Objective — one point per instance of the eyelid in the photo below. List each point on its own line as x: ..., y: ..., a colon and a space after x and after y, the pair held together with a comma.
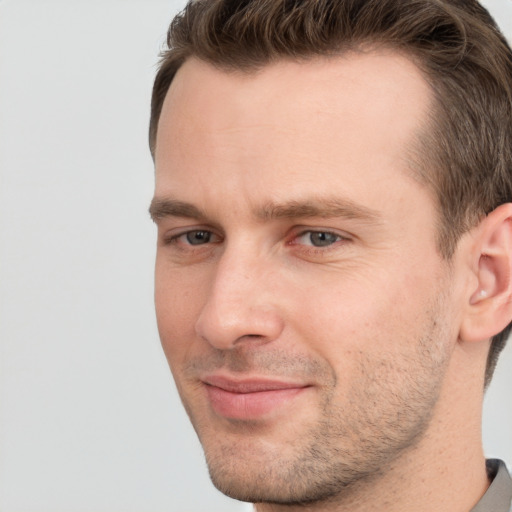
x: 303, y: 230
x: 172, y: 236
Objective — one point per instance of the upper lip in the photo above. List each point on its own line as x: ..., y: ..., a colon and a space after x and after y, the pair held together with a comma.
x: 249, y: 385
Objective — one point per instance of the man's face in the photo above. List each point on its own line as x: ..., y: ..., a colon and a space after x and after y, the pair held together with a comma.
x: 302, y: 305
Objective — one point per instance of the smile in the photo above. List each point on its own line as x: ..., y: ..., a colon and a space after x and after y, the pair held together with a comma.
x: 249, y: 399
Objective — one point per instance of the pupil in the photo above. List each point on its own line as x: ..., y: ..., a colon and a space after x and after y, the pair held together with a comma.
x: 322, y: 239
x: 198, y: 237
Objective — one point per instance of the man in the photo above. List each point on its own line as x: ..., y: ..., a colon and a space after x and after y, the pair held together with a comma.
x: 333, y: 276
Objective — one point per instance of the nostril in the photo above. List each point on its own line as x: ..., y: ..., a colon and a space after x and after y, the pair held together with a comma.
x: 250, y: 337
x: 253, y: 327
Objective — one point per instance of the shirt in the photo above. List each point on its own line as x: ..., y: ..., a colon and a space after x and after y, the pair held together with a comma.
x: 498, y: 496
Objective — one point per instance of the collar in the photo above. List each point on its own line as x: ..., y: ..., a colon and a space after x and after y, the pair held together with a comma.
x: 498, y: 496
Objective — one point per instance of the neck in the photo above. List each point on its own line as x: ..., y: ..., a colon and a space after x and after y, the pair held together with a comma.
x: 444, y: 472
x: 420, y: 490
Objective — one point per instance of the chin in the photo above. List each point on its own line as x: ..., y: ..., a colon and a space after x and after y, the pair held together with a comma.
x: 288, y: 473
x: 283, y: 482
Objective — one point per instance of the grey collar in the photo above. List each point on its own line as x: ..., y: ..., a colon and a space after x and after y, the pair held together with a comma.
x: 499, y: 494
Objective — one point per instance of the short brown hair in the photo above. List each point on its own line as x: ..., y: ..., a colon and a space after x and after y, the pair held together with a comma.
x: 466, y: 156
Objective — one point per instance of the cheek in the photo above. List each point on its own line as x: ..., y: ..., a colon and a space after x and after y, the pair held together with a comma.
x: 177, y: 306
x: 380, y: 313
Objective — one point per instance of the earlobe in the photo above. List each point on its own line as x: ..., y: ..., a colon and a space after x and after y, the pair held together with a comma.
x: 490, y: 302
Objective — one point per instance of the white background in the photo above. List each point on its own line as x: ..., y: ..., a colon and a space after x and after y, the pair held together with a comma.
x: 89, y: 418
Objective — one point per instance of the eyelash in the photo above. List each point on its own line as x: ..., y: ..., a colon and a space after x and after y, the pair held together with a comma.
x: 338, y: 238
x: 175, y: 238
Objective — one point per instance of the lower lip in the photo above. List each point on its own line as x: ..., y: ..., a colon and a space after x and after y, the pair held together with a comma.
x: 247, y: 406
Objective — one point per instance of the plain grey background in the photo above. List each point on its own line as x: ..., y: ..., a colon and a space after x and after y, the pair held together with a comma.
x: 89, y: 418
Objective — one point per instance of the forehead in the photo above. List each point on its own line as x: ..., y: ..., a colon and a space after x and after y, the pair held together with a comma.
x: 351, y: 117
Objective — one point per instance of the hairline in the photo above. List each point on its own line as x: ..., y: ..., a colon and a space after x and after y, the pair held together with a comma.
x: 416, y: 156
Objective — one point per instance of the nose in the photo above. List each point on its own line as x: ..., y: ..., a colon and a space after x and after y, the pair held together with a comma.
x: 240, y: 306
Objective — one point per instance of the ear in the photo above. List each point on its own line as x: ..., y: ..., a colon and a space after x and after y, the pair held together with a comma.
x: 489, y: 309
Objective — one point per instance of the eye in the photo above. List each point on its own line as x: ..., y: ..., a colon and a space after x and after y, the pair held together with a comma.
x: 193, y: 237
x: 197, y: 237
x: 318, y: 238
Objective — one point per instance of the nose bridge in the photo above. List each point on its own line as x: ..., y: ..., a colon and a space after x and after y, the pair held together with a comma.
x: 240, y: 305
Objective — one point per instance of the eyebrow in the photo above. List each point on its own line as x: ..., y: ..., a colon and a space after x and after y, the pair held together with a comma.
x: 320, y: 207
x: 161, y: 208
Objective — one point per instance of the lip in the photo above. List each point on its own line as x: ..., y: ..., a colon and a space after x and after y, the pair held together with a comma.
x: 250, y: 398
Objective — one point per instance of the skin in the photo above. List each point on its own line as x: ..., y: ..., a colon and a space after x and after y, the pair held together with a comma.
x: 295, y: 245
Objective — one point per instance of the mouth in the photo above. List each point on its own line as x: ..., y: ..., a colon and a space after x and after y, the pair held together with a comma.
x: 249, y: 399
